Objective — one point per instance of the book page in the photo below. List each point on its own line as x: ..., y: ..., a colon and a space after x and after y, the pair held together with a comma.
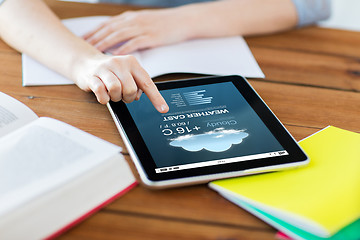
x: 42, y: 156
x: 217, y: 56
x: 13, y: 114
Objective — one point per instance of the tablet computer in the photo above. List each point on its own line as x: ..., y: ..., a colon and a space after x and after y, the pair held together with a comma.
x: 217, y: 127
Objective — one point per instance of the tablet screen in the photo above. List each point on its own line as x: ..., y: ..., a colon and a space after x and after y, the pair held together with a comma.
x: 215, y: 125
x: 206, y: 125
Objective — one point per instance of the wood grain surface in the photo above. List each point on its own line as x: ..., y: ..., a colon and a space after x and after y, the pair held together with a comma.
x: 312, y: 81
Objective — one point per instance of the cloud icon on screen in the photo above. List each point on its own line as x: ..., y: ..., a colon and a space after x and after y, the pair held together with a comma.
x: 218, y: 140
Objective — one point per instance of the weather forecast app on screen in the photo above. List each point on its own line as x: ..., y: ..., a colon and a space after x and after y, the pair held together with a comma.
x: 207, y: 125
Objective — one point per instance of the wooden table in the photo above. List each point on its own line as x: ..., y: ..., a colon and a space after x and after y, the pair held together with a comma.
x: 312, y: 81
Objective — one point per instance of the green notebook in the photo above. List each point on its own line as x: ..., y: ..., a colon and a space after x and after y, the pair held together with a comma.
x: 321, y: 200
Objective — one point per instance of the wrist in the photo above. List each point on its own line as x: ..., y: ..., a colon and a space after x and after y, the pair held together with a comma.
x: 83, y: 64
x: 193, y: 21
x: 206, y: 20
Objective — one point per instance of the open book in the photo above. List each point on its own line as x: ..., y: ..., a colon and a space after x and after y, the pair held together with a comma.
x: 52, y: 175
x: 217, y: 56
x: 317, y: 202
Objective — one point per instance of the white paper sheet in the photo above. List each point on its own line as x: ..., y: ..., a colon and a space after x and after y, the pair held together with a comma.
x: 217, y: 56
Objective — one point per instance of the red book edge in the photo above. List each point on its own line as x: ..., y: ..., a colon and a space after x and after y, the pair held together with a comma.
x: 88, y: 214
x: 282, y: 236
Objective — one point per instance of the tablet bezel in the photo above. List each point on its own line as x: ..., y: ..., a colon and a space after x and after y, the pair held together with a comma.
x: 146, y: 165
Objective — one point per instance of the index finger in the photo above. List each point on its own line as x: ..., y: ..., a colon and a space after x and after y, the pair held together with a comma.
x: 145, y: 83
x: 95, y: 30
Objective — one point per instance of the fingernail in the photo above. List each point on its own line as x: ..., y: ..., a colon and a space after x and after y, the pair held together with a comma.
x: 163, y: 108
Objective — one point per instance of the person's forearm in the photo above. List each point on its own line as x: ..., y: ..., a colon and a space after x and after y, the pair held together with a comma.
x: 30, y: 27
x: 239, y: 17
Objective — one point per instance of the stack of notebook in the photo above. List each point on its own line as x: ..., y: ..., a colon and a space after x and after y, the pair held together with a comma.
x: 320, y: 201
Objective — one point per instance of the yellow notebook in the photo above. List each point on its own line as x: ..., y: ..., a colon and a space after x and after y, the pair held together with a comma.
x: 321, y: 198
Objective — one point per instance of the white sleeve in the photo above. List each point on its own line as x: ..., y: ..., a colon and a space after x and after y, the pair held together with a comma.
x: 311, y: 11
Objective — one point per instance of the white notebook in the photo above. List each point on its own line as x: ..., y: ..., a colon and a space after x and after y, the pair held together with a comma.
x: 216, y: 56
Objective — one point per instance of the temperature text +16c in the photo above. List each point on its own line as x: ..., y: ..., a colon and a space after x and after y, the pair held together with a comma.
x: 179, y: 130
